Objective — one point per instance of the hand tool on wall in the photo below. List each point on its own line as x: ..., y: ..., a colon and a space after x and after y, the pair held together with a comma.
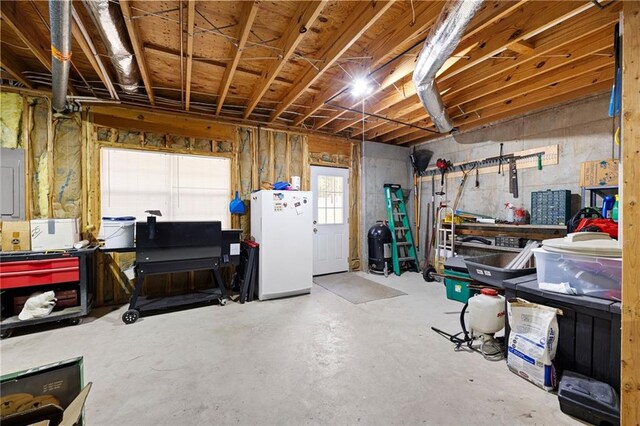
x: 420, y: 161
x: 513, y: 177
x: 442, y: 165
x: 477, y: 177
x: 465, y: 174
x: 500, y: 160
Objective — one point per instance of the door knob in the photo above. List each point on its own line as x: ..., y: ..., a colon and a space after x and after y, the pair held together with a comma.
x: 315, y: 230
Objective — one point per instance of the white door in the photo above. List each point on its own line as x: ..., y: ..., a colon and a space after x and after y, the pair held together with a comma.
x: 330, y: 187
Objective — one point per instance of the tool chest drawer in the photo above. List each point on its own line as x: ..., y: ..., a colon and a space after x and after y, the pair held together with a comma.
x: 29, y: 273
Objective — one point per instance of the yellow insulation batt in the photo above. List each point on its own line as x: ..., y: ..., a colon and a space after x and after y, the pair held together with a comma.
x: 11, y: 120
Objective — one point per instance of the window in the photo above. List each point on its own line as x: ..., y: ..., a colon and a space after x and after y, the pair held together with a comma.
x: 330, y: 200
x: 182, y: 187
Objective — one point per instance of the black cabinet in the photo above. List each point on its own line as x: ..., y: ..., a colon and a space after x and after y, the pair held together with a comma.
x: 589, y: 330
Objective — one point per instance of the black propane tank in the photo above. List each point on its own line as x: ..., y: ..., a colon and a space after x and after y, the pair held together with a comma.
x: 380, y: 238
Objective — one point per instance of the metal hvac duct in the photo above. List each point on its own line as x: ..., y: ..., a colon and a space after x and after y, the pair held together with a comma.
x: 438, y: 47
x: 108, y: 18
x: 60, y: 18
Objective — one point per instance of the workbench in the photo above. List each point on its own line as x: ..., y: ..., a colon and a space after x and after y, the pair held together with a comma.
x: 22, y: 273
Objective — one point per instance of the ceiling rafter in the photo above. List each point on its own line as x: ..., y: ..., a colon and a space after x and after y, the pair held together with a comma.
x: 425, y: 15
x: 598, y: 43
x: 586, y: 66
x: 506, y: 114
x: 489, y: 14
x: 132, y: 29
x: 38, y: 47
x: 86, y: 48
x: 10, y: 64
x: 363, y: 16
x: 528, y: 20
x: 304, y: 17
x: 520, y: 98
x: 191, y: 19
x: 175, y: 54
x: 565, y: 34
x: 247, y: 16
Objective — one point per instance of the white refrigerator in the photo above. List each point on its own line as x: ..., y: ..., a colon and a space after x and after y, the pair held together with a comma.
x: 282, y: 223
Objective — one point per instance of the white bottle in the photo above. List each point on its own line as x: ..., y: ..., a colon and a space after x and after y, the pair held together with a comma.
x: 486, y: 312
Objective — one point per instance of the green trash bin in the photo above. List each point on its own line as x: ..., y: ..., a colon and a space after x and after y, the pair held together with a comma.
x: 457, y: 280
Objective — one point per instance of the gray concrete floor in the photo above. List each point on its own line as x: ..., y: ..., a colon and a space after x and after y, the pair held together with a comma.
x: 314, y: 359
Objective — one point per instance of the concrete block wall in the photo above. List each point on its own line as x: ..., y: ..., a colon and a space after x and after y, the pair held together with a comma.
x: 381, y: 163
x: 582, y: 129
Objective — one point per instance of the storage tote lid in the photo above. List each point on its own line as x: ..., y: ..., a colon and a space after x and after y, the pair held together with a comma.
x: 119, y: 218
x: 597, y: 244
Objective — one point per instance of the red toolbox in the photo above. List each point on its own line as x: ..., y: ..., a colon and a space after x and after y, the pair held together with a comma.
x: 38, y: 272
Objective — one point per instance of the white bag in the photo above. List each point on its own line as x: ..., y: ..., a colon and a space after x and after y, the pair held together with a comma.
x: 533, y: 341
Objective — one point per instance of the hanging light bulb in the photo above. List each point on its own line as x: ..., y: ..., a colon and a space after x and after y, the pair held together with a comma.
x: 360, y: 87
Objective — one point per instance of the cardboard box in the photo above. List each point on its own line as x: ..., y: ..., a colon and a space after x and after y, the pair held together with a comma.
x: 52, y: 392
x: 16, y: 235
x: 599, y: 173
x: 54, y: 234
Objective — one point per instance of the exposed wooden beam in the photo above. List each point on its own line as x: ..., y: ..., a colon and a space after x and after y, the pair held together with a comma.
x: 630, y: 374
x: 425, y: 15
x: 489, y: 13
x: 537, y: 106
x: 10, y: 64
x: 304, y: 17
x: 88, y: 51
x: 175, y: 55
x: 592, y: 47
x: 521, y: 46
x: 528, y: 20
x: 191, y: 19
x: 549, y: 95
x: 577, y: 35
x: 362, y: 17
x: 38, y: 46
x: 132, y: 29
x: 589, y: 68
x: 247, y: 16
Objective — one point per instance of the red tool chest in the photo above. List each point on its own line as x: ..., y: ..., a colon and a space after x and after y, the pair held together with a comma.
x: 29, y: 273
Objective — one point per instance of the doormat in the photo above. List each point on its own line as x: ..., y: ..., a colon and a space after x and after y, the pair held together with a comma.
x: 356, y: 289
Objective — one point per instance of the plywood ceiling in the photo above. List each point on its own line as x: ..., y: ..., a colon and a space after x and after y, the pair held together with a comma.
x: 292, y: 62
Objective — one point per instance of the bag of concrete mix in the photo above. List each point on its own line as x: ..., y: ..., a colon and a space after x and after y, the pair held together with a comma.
x: 533, y: 341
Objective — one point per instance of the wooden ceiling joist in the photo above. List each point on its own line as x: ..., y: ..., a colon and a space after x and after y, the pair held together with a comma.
x: 38, y: 46
x: 363, y: 16
x: 592, y: 22
x: 11, y: 66
x: 90, y: 54
x: 425, y: 15
x: 596, y: 48
x: 304, y: 17
x: 530, y: 19
x: 191, y: 19
x: 175, y: 55
x: 548, y: 95
x: 134, y: 37
x: 247, y: 16
x: 489, y: 14
x: 586, y: 68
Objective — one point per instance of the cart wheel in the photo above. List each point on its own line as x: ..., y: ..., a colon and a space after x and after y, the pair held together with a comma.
x: 222, y: 301
x: 428, y: 274
x: 5, y: 333
x: 75, y: 321
x: 130, y: 316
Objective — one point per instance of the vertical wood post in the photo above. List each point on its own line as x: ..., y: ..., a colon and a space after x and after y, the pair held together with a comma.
x: 630, y: 368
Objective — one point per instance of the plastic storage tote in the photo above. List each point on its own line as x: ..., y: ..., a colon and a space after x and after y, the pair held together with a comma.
x: 589, y: 275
